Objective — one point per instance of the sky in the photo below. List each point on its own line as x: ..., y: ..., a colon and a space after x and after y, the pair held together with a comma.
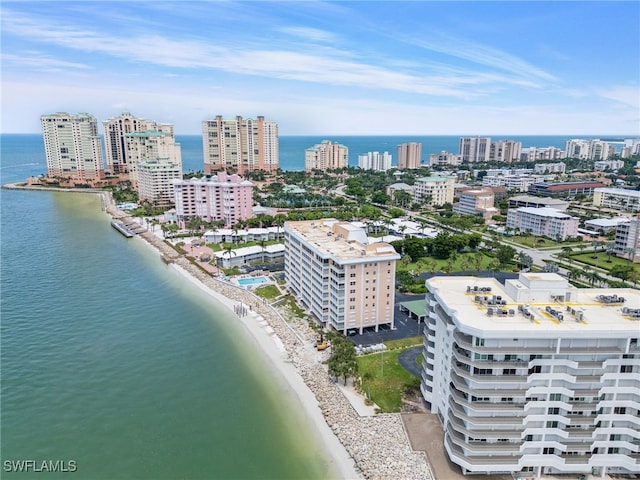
x: 328, y: 68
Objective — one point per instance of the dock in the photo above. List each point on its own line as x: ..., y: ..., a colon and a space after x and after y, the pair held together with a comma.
x: 122, y: 229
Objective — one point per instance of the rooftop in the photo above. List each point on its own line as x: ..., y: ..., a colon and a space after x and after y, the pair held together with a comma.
x: 535, y: 292
x: 340, y: 240
x: 544, y: 212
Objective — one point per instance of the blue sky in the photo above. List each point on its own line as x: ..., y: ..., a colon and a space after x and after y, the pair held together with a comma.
x: 334, y: 68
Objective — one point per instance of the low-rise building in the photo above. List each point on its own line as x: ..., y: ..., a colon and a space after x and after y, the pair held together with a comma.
x: 343, y: 281
x: 434, y: 190
x: 250, y: 255
x: 558, y: 167
x: 477, y: 201
x: 605, y: 225
x: 543, y: 222
x: 608, y: 165
x: 531, y: 201
x: 617, y: 199
x: 535, y: 376
x: 566, y: 189
x: 444, y: 158
x: 229, y: 235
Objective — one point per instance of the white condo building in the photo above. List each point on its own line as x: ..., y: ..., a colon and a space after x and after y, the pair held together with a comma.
x: 627, y: 240
x: 342, y: 280
x: 326, y: 156
x: 380, y: 162
x: 593, y: 149
x: 151, y: 146
x: 72, y: 147
x: 240, y: 145
x: 543, y: 222
x: 155, y: 181
x: 617, y: 199
x: 535, y: 376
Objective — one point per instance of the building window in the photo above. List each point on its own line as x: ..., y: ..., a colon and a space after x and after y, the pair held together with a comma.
x: 555, y: 396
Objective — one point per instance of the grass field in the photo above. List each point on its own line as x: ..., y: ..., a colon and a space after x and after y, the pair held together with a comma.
x: 384, y: 380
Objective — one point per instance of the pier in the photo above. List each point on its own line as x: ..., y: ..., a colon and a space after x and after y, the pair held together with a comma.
x: 122, y: 229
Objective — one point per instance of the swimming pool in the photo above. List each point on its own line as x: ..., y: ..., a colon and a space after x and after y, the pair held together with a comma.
x: 245, y: 282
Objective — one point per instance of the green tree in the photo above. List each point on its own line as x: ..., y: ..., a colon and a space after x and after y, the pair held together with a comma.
x: 505, y: 254
x: 342, y: 362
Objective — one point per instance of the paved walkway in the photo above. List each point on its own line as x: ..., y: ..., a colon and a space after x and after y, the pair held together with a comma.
x: 408, y: 360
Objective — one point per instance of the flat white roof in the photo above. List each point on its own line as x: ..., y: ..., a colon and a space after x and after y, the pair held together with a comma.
x: 600, y: 319
x: 544, y: 212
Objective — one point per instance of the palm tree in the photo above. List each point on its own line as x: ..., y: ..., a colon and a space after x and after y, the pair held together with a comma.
x: 477, y: 259
x: 229, y: 251
x: 262, y: 243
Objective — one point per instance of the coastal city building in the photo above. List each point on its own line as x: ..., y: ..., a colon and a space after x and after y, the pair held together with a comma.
x: 240, y: 145
x: 608, y: 164
x: 152, y: 146
x: 380, y: 162
x: 444, y: 158
x: 434, y: 190
x: 631, y: 147
x: 593, y: 149
x: 532, y: 154
x: 478, y: 202
x: 543, y: 222
x: 213, y: 197
x: 506, y: 151
x: 409, y: 156
x: 558, y: 167
x: 513, y: 183
x: 155, y: 181
x: 535, y: 376
x: 117, y: 145
x: 617, y: 199
x: 343, y: 281
x: 565, y: 189
x: 73, y: 148
x: 394, y: 188
x: 537, y: 202
x: 326, y: 156
x: 627, y: 241
x: 242, y: 235
x: 474, y: 149
x: 605, y: 225
x: 250, y: 255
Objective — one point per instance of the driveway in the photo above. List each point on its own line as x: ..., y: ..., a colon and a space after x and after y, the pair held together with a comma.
x: 408, y: 360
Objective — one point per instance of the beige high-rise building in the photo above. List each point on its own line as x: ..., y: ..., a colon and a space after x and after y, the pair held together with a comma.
x: 342, y: 280
x: 240, y: 145
x: 326, y: 156
x: 150, y: 146
x: 72, y: 147
x: 409, y: 156
x: 505, y: 151
x: 115, y: 131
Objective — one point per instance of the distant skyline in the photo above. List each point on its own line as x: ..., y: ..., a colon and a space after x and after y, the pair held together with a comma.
x: 329, y: 68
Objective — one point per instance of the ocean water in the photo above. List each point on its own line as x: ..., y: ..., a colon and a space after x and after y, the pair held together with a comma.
x: 111, y: 360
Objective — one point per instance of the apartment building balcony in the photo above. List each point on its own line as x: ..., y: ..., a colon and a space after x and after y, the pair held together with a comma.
x: 489, y: 390
x: 488, y: 463
x: 464, y: 342
x: 502, y: 379
x: 499, y: 407
x: 459, y: 426
x: 482, y: 448
x: 512, y: 423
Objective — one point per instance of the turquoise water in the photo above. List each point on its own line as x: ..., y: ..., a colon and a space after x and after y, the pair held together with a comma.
x: 111, y: 359
x: 251, y: 281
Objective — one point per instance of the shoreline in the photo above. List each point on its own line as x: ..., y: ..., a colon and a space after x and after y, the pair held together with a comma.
x: 356, y: 447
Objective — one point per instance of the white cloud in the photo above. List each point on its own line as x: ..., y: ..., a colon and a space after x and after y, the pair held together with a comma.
x: 625, y: 95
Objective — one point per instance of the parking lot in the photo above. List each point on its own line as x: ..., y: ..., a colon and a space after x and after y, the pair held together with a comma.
x: 404, y: 326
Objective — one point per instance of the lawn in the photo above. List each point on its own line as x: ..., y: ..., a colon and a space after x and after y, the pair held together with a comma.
x: 268, y: 291
x: 384, y: 380
x: 463, y: 262
x: 602, y: 261
x: 404, y: 342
